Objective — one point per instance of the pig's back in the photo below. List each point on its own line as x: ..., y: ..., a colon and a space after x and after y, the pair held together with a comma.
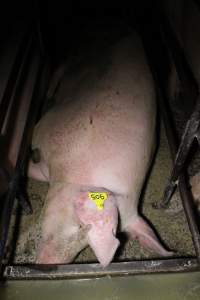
x: 101, y: 132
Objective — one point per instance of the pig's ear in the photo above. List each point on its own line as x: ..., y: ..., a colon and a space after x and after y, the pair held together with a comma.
x: 139, y: 229
x: 104, y: 244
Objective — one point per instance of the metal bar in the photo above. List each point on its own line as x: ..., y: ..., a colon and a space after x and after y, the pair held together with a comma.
x: 191, y: 88
x: 9, y: 108
x: 10, y: 197
x: 95, y: 270
x: 189, y: 211
x: 185, y: 195
x: 190, y: 133
x: 12, y: 81
x: 155, y: 51
x: 18, y: 110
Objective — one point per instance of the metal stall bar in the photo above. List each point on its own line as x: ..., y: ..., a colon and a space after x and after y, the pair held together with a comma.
x: 95, y: 270
x: 185, y: 194
x: 192, y: 128
x: 154, y: 52
x: 11, y: 83
x: 191, y: 86
x: 17, y: 56
x: 28, y: 89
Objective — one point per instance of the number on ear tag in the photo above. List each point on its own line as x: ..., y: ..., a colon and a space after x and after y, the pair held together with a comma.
x: 98, y: 198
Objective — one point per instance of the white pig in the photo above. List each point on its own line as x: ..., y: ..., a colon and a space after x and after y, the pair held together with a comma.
x: 99, y: 137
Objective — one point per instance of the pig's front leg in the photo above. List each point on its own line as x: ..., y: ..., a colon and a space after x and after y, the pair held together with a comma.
x: 136, y: 227
x: 63, y: 237
x: 139, y: 229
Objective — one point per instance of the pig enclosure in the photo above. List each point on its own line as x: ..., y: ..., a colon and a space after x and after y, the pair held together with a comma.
x: 170, y: 224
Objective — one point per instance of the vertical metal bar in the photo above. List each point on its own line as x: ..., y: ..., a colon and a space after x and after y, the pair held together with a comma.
x: 154, y: 52
x: 10, y: 197
x: 188, y: 79
x: 12, y: 81
x: 189, y: 211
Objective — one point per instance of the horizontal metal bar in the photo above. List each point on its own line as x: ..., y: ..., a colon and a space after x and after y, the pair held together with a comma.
x: 95, y: 270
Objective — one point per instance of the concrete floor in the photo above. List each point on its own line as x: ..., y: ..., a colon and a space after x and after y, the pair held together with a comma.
x: 170, y: 224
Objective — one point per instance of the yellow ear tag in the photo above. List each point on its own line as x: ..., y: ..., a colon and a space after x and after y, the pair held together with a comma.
x: 98, y: 198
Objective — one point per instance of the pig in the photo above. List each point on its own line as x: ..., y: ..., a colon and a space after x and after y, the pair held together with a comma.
x: 96, y: 145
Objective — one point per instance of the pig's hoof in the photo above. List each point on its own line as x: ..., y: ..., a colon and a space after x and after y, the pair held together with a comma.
x: 173, y: 207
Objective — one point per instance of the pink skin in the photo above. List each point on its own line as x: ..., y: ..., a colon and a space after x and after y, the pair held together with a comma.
x: 102, y: 140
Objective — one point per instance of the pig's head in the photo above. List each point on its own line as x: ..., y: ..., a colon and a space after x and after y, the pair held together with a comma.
x: 72, y: 220
x: 99, y: 210
x: 63, y: 236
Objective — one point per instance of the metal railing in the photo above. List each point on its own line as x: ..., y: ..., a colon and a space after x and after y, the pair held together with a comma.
x: 18, y: 112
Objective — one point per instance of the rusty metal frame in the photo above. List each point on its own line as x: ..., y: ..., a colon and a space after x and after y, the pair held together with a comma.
x: 186, y: 264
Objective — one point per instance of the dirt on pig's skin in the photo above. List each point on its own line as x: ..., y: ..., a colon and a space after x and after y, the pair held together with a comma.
x: 171, y: 224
